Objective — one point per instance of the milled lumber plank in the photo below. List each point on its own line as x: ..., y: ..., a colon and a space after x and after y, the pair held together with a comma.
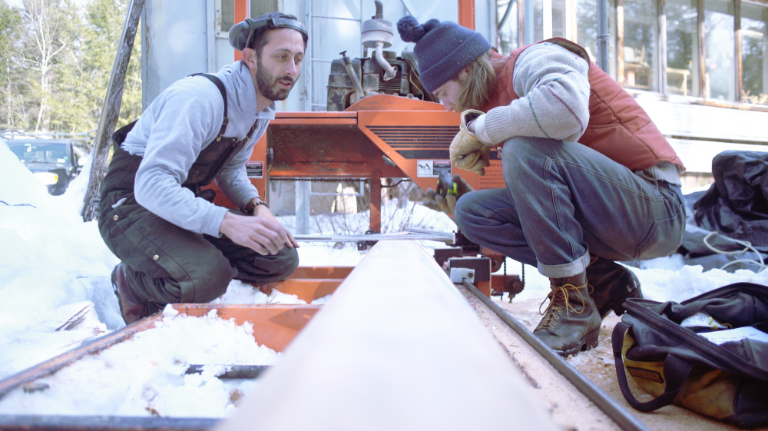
x: 396, y: 347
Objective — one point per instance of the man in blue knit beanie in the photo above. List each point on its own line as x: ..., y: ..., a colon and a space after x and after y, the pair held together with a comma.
x: 589, y: 178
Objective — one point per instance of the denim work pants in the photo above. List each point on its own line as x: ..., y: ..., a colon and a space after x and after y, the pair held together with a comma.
x: 564, y: 201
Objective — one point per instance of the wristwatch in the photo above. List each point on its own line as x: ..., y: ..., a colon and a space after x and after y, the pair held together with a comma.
x: 252, y: 204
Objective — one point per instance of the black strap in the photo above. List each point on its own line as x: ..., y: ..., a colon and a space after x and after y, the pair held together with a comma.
x: 676, y: 371
x: 220, y: 85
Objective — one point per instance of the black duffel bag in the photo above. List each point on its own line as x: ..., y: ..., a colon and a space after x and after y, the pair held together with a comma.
x: 674, y: 364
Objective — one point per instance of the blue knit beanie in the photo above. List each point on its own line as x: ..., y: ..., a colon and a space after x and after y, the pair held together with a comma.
x: 442, y: 49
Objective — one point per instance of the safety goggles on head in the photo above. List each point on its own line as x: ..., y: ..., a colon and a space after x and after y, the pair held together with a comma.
x: 240, y: 34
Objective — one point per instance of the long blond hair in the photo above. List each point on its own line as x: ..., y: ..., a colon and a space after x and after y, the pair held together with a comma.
x: 480, y: 85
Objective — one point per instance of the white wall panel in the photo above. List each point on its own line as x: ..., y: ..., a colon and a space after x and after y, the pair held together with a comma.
x: 174, y: 44
x: 697, y: 155
x: 710, y: 122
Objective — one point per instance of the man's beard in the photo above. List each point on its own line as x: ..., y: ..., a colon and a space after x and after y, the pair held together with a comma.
x: 268, y: 86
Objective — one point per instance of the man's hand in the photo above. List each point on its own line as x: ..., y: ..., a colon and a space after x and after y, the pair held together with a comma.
x: 449, y: 190
x: 261, y: 233
x: 467, y: 151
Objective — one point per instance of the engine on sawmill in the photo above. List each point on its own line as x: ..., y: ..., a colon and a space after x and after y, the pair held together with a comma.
x: 382, y: 73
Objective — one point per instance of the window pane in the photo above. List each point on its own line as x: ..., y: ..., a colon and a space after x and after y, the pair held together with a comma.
x: 720, y: 72
x: 640, y: 32
x: 754, y: 53
x: 558, y: 18
x: 339, y: 9
x: 331, y: 36
x: 508, y: 32
x: 586, y: 31
x: 227, y: 15
x: 538, y: 20
x: 682, y: 47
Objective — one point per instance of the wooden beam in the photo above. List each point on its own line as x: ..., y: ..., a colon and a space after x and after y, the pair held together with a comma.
x: 737, y: 48
x: 662, y: 47
x: 520, y: 23
x: 110, y: 110
x: 619, y: 42
x: 703, y: 93
x: 396, y: 348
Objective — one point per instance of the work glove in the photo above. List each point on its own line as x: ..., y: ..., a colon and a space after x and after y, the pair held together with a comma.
x: 467, y: 151
x: 449, y: 190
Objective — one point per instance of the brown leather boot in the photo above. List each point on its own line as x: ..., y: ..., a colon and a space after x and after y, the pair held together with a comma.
x: 571, y: 322
x: 132, y: 308
x: 611, y: 284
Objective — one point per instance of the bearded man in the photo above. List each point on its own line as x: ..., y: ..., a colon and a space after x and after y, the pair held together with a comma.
x: 174, y: 244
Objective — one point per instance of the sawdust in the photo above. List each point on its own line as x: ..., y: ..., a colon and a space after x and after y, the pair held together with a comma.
x: 570, y: 409
x: 598, y: 366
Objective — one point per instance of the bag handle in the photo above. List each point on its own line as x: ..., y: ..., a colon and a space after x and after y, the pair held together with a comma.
x: 676, y: 371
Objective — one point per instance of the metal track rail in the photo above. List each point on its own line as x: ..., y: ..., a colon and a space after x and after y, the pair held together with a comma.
x: 603, y: 401
x: 410, y: 234
x: 103, y: 423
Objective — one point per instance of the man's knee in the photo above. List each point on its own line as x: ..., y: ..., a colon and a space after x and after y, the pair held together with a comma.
x: 213, y: 278
x: 521, y: 150
x: 286, y: 262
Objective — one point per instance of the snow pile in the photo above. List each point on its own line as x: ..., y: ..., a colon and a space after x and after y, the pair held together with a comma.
x: 146, y: 375
x: 668, y: 283
x: 51, y: 266
x: 663, y: 279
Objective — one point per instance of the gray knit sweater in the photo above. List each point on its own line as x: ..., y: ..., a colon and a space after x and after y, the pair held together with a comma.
x: 172, y: 132
x: 553, y: 85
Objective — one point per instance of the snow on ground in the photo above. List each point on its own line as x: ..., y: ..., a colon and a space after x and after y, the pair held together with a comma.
x: 145, y: 376
x: 53, y: 266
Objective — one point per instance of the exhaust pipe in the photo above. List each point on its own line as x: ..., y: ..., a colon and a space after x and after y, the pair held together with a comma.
x: 378, y: 33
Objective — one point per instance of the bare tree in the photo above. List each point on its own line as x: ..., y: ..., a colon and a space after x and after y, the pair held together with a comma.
x: 48, y: 27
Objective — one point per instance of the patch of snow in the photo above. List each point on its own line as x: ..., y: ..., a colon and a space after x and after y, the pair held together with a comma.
x: 145, y: 375
x: 322, y: 300
x: 244, y: 293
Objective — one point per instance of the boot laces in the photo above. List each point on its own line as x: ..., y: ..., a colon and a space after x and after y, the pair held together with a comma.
x: 558, y: 301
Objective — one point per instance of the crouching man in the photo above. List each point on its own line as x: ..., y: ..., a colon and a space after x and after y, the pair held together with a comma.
x: 589, y: 178
x: 173, y: 243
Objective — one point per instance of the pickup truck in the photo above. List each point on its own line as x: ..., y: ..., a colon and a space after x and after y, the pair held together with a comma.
x: 53, y: 161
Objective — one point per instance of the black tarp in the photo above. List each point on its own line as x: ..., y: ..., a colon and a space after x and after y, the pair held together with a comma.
x: 735, y: 206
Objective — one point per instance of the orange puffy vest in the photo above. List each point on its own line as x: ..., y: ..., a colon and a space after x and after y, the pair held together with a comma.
x: 618, y: 126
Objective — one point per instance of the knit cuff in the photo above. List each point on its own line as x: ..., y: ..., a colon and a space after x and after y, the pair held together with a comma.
x: 496, y: 126
x: 480, y: 132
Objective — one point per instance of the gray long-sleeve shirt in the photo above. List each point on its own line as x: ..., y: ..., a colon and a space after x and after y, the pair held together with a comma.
x: 553, y: 85
x: 176, y: 127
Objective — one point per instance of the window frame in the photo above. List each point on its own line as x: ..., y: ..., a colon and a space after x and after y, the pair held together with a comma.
x: 660, y: 53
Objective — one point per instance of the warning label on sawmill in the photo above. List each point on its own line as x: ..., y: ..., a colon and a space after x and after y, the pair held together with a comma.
x: 432, y: 168
x: 255, y: 169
